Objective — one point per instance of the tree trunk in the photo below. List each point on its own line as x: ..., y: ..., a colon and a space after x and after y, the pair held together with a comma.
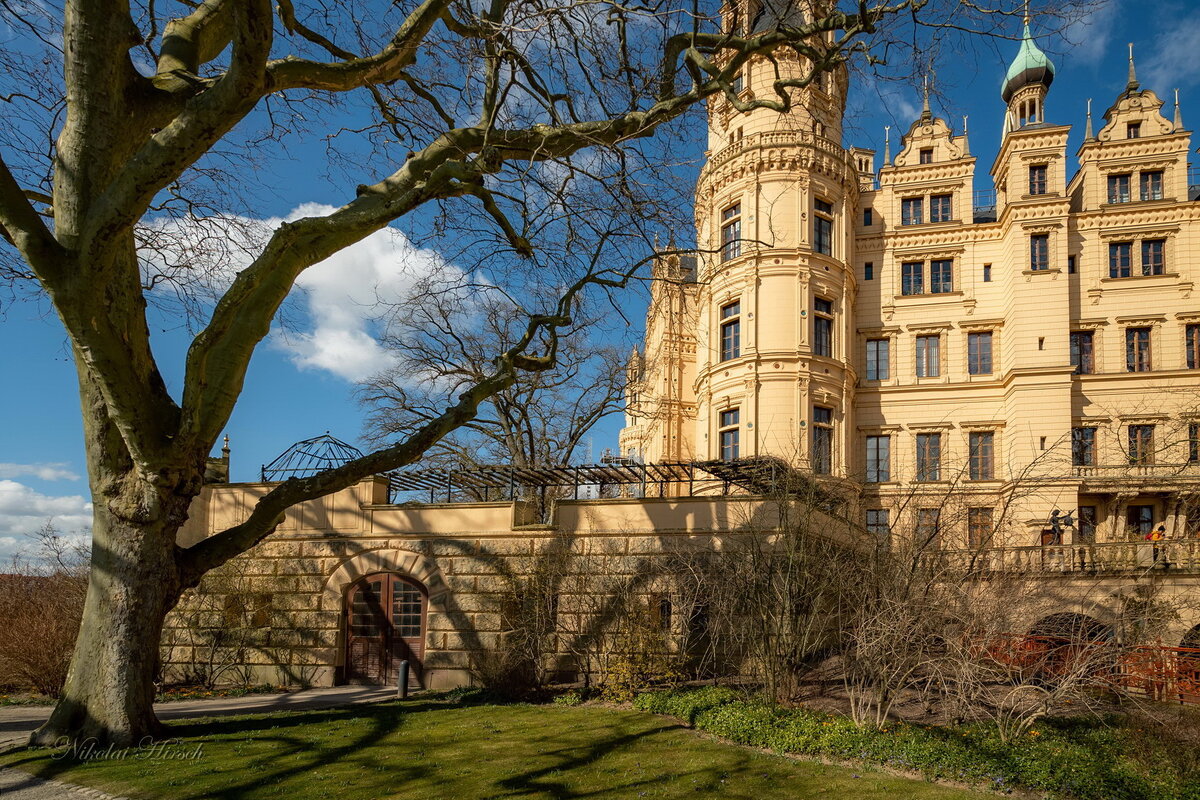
x: 109, y: 693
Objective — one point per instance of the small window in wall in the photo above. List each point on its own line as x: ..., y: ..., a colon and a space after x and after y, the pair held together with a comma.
x: 878, y: 523
x: 868, y: 218
x: 822, y: 440
x: 926, y: 155
x: 1133, y: 130
x: 1191, y: 346
x: 731, y: 330
x: 727, y: 433
x: 987, y: 273
x: 869, y: 271
x: 1070, y: 265
x: 822, y: 327
x: 739, y: 83
x: 731, y: 232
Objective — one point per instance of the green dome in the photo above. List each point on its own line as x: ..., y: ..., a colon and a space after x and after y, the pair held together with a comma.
x: 1030, y: 66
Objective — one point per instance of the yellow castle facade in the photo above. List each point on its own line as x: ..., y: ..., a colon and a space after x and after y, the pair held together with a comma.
x: 966, y: 363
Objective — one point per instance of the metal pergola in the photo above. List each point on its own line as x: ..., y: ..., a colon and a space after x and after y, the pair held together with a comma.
x: 755, y: 475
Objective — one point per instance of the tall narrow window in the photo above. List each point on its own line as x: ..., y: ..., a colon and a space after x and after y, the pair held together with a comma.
x: 929, y: 356
x: 1083, y: 447
x: 912, y: 277
x: 982, y: 455
x: 1039, y: 251
x: 1120, y: 259
x: 1141, y: 444
x: 879, y: 459
x: 1191, y: 344
x: 979, y: 353
x: 928, y: 528
x: 868, y: 218
x: 929, y: 456
x: 823, y: 327
x: 1193, y: 442
x: 979, y: 527
x: 822, y: 440
x: 1137, y: 349
x: 878, y: 359
x: 1152, y: 185
x: 1037, y: 179
x: 878, y: 524
x: 941, y: 276
x: 823, y: 227
x: 731, y: 330
x: 731, y: 232
x: 1070, y: 265
x: 739, y: 82
x: 1118, y: 188
x: 1081, y: 352
x: 869, y: 271
x: 1153, y: 258
x: 728, y: 434
x: 987, y: 273
x: 939, y: 208
x: 912, y: 211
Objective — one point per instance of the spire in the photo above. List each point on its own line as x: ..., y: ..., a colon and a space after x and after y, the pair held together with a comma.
x: 887, y: 145
x: 1178, y: 113
x: 1031, y: 66
x: 1132, y: 85
x: 966, y: 141
x: 926, y: 114
x: 1087, y: 134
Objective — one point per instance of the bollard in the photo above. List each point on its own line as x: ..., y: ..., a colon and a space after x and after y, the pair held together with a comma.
x: 402, y: 681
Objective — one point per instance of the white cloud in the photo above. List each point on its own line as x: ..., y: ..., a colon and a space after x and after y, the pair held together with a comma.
x: 344, y: 293
x: 1087, y: 39
x: 1172, y: 63
x: 23, y: 511
x: 341, y: 295
x: 58, y: 471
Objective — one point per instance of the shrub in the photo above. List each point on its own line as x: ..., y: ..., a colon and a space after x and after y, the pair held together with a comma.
x: 1068, y: 758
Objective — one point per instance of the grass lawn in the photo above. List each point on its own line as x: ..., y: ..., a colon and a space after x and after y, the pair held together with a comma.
x: 438, y: 749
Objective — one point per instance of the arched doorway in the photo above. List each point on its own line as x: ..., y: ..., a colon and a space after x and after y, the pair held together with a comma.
x: 385, y: 624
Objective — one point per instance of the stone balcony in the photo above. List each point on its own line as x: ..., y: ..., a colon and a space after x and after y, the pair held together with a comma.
x: 1171, y: 556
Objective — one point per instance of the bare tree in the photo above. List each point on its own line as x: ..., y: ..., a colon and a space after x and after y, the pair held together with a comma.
x: 120, y: 115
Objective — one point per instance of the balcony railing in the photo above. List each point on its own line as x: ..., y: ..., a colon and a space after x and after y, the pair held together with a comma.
x: 1137, y: 471
x: 984, y: 205
x: 1173, y: 555
x: 777, y: 139
x: 1193, y: 175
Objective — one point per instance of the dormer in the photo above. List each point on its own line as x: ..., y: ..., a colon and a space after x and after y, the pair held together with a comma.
x: 930, y: 180
x: 1137, y: 156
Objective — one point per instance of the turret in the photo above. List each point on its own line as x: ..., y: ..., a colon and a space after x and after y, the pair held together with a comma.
x: 1026, y: 84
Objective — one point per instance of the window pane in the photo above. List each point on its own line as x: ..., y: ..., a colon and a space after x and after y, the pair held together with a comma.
x: 979, y: 527
x: 823, y: 235
x: 929, y: 455
x: 879, y: 458
x: 1120, y: 259
x: 979, y: 353
x: 912, y: 277
x: 1083, y: 447
x: 912, y: 211
x: 878, y: 357
x: 1191, y: 340
x: 928, y: 356
x: 1152, y: 256
x: 1039, y: 251
x: 941, y: 276
x: 939, y: 208
x: 822, y: 336
x: 1037, y: 179
x: 731, y: 232
x: 1118, y: 188
x: 1152, y: 185
x: 1137, y: 349
x: 981, y: 461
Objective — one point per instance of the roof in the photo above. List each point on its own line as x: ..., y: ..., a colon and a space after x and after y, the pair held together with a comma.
x: 1030, y: 66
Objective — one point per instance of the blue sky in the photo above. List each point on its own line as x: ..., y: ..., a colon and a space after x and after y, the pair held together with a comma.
x: 301, y: 384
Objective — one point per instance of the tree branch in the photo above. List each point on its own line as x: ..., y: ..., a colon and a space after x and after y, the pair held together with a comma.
x: 21, y: 225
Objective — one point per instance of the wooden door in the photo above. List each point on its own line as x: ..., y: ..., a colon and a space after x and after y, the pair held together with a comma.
x: 385, y: 624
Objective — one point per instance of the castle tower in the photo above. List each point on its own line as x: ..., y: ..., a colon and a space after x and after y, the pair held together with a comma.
x: 1026, y: 83
x: 774, y: 216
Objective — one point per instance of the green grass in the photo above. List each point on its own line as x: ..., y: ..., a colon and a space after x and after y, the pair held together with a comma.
x: 440, y: 749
